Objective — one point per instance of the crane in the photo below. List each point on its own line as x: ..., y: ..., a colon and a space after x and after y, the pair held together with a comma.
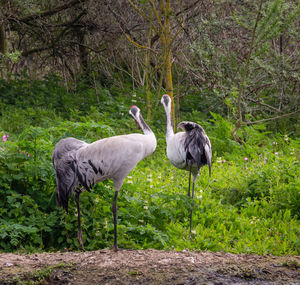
x: 188, y: 150
x: 80, y: 165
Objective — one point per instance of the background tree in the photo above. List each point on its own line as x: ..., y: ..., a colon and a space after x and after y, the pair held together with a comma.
x: 163, y: 13
x: 239, y: 59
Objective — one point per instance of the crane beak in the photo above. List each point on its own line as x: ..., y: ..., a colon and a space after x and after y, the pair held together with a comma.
x: 180, y: 126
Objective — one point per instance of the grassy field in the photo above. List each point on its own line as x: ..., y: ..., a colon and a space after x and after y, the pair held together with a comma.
x: 250, y: 204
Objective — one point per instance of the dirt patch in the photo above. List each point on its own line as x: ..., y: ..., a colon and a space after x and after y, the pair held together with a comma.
x: 147, y: 267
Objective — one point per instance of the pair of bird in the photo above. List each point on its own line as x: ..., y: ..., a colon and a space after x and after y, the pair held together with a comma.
x: 79, y: 163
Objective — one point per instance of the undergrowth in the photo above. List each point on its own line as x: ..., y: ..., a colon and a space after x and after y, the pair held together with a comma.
x: 250, y: 204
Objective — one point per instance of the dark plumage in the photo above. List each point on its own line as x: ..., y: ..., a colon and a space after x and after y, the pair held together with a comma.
x: 64, y: 162
x: 194, y: 145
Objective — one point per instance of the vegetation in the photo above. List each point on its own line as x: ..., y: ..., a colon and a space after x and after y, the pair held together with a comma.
x: 250, y: 204
x: 67, y: 72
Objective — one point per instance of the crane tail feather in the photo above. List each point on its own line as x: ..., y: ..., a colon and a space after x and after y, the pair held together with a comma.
x: 197, y: 145
x: 64, y: 162
x: 66, y: 181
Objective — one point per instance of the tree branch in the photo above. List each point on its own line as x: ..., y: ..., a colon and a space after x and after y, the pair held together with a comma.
x: 35, y: 50
x: 269, y: 119
x: 49, y: 12
x: 187, y: 8
x: 137, y: 44
x: 260, y: 102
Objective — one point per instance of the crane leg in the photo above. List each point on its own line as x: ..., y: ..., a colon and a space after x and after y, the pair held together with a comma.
x: 190, y: 174
x: 114, y: 210
x: 191, y: 214
x: 79, y: 233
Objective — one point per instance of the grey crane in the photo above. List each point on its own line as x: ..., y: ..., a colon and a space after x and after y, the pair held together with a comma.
x: 80, y: 165
x: 188, y: 150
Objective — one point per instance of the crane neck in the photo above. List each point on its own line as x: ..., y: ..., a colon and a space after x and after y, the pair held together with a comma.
x: 151, y: 139
x: 169, y: 127
x: 143, y: 125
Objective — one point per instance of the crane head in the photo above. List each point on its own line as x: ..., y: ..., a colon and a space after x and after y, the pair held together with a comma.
x: 165, y: 99
x: 135, y: 112
x: 188, y: 126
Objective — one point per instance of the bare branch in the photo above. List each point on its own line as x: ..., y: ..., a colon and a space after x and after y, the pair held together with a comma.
x: 50, y: 12
x: 187, y: 8
x: 259, y: 102
x: 269, y: 119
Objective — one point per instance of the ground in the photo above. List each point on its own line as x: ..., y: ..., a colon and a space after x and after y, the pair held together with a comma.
x: 147, y: 267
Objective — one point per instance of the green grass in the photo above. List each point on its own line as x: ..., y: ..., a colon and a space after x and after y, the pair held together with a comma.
x: 246, y: 206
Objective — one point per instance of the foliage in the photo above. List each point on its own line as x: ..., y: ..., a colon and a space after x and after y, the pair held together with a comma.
x: 239, y: 59
x: 249, y: 205
x: 252, y: 70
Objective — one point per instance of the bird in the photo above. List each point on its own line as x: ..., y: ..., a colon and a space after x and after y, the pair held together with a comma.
x: 80, y: 165
x: 188, y: 150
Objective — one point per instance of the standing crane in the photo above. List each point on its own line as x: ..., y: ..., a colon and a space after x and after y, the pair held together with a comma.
x: 188, y: 150
x: 78, y: 163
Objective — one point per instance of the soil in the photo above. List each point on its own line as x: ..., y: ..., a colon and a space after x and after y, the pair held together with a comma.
x: 147, y: 267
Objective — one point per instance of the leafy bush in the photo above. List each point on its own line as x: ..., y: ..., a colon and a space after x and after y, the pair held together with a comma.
x: 250, y: 204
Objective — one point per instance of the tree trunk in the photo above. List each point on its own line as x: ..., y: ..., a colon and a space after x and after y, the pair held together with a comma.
x: 83, y: 53
x: 147, y: 69
x: 178, y: 97
x: 3, y: 40
x: 166, y: 40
